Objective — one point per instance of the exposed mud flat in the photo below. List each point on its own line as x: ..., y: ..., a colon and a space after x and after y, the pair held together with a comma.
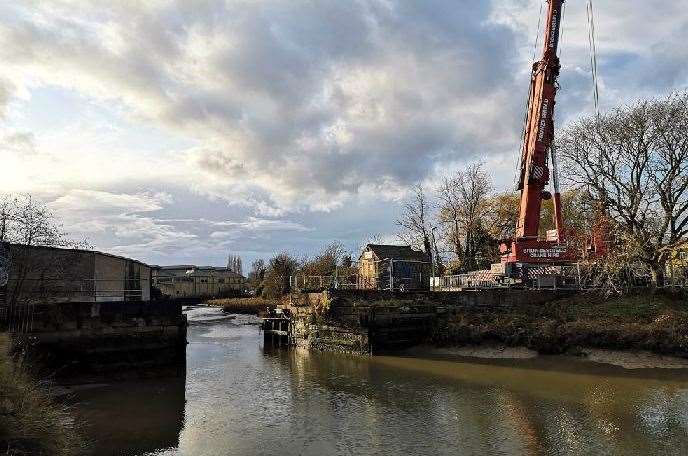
x: 624, y: 359
x: 487, y: 352
x: 635, y: 359
x: 634, y: 331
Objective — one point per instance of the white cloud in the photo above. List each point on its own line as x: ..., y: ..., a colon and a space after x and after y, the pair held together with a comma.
x: 284, y: 107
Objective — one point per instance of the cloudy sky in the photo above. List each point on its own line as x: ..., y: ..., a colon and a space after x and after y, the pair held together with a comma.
x: 178, y: 131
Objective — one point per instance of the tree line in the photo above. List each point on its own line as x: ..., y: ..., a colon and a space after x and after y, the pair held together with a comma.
x: 626, y: 175
x: 272, y: 279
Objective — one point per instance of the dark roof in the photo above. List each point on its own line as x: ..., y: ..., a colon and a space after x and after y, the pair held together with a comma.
x: 397, y: 252
x: 176, y: 266
x: 192, y: 267
x: 69, y: 249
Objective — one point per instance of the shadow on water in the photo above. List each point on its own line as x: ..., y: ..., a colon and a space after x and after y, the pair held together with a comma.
x: 132, y: 417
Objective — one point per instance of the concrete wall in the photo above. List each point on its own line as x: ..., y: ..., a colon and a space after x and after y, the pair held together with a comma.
x: 41, y: 275
x: 106, y: 335
x: 109, y: 278
x: 45, y: 274
x: 368, y: 271
x: 488, y: 298
x: 137, y: 281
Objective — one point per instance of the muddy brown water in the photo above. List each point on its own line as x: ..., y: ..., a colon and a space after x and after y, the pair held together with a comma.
x: 240, y: 397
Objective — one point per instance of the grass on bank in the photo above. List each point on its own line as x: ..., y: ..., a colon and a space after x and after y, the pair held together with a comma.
x: 649, y: 321
x: 31, y: 423
x: 252, y: 305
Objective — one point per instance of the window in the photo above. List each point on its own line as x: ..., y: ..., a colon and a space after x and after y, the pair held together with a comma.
x: 220, y: 280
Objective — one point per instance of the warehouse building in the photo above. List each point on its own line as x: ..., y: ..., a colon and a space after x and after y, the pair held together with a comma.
x: 190, y: 281
x: 37, y: 274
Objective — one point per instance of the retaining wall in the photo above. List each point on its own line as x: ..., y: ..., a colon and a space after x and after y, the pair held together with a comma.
x: 84, y: 337
x: 370, y: 321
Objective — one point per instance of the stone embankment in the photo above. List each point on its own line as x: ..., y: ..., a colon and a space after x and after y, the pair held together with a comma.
x: 652, y: 322
x: 546, y: 321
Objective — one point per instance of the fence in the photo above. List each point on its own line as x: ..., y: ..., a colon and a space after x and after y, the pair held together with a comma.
x: 462, y: 281
x: 318, y: 282
x: 302, y: 282
x: 77, y: 289
x: 18, y: 303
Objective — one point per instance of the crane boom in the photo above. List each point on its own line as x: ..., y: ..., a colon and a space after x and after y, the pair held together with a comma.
x: 539, y: 128
x: 536, y: 148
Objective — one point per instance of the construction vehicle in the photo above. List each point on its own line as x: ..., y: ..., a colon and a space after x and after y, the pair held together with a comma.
x: 527, y: 250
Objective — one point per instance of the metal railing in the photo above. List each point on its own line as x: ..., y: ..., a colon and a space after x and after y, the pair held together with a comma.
x: 75, y: 289
x: 464, y: 281
x: 560, y: 277
x: 353, y: 282
x: 319, y: 282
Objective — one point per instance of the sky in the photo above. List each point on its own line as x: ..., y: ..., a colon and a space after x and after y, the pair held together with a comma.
x: 182, y: 131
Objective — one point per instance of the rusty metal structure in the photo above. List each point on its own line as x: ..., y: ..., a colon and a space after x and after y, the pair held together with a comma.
x: 527, y: 247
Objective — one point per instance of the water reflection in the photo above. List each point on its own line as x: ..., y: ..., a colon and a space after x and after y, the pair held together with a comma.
x: 132, y: 417
x: 246, y: 398
x: 498, y: 409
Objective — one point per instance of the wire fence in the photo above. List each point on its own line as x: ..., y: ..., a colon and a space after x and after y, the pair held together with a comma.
x: 304, y: 282
x: 546, y: 277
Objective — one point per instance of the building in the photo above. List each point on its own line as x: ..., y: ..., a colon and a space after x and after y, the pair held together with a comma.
x: 59, y: 295
x: 37, y: 274
x: 190, y: 281
x: 677, y: 267
x: 394, y: 267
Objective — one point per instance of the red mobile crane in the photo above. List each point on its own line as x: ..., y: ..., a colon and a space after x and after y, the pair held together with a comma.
x: 527, y: 248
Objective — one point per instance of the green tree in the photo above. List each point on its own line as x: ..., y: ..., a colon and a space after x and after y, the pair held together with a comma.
x: 276, y: 280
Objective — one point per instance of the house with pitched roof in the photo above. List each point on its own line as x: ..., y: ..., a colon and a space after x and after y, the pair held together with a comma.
x: 394, y: 267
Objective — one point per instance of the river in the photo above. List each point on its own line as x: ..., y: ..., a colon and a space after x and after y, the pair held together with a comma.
x: 240, y: 397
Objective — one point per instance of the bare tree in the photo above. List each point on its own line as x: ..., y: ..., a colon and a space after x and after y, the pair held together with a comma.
x: 634, y: 162
x: 326, y: 262
x: 418, y: 224
x: 256, y: 275
x: 414, y: 220
x: 32, y: 278
x: 24, y: 220
x: 463, y: 205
